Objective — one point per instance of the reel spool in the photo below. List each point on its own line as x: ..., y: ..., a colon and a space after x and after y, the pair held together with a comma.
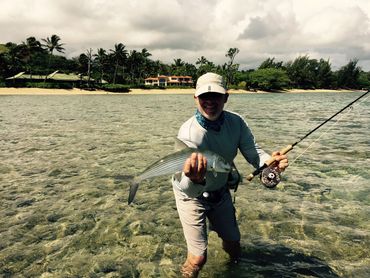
x: 270, y: 176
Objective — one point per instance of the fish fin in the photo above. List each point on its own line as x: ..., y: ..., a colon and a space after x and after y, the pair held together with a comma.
x: 181, y: 145
x: 133, y: 189
x: 214, y: 168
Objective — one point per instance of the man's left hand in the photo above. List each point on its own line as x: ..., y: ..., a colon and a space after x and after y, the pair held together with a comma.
x: 281, y: 159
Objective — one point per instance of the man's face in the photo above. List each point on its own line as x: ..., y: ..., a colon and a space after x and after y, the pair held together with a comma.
x: 211, y: 105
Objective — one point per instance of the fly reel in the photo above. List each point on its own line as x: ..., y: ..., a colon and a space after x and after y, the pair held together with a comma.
x: 270, y: 176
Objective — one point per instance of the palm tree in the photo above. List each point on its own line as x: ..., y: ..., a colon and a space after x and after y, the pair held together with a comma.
x: 177, y: 66
x: 134, y: 63
x: 231, y: 68
x: 178, y: 62
x: 145, y: 62
x: 120, y: 55
x: 201, y: 61
x: 204, y: 66
x: 145, y: 53
x: 52, y: 44
x: 16, y: 56
x: 31, y: 46
x: 100, y: 60
x: 89, y: 61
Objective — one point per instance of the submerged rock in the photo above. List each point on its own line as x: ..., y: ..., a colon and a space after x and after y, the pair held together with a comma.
x: 105, y: 265
x: 147, y: 270
x: 137, y: 227
x: 145, y: 245
x: 25, y: 203
x: 67, y: 229
x: 53, y: 217
x: 55, y: 172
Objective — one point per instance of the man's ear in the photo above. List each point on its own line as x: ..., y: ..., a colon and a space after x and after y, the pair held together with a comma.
x: 226, y: 97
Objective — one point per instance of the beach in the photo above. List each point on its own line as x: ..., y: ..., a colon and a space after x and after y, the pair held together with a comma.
x: 170, y: 91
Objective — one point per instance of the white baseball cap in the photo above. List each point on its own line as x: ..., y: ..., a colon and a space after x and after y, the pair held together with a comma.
x: 210, y: 82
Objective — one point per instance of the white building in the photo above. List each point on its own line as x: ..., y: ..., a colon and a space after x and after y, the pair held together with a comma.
x: 164, y: 81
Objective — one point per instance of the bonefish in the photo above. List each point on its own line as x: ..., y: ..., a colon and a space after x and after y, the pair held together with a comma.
x: 174, y: 162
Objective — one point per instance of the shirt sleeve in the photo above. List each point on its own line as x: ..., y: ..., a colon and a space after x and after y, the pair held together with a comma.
x: 249, y: 148
x: 185, y: 185
x: 179, y: 180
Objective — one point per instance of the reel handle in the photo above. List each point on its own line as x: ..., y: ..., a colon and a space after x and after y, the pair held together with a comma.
x: 269, y: 162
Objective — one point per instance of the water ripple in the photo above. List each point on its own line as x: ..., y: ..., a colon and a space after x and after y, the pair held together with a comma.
x: 67, y: 162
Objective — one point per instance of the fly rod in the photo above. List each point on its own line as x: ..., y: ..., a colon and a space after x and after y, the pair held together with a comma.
x: 271, y: 176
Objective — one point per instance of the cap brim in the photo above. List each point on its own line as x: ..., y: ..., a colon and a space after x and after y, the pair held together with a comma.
x: 210, y: 88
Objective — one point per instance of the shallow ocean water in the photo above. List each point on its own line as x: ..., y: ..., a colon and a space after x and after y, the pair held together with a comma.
x: 66, y: 163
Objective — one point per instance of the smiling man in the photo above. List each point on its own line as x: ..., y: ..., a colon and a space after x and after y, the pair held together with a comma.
x: 201, y: 195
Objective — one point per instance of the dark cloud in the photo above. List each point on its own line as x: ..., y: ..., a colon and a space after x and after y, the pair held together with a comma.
x: 258, y: 29
x: 269, y: 26
x: 188, y: 29
x: 176, y: 41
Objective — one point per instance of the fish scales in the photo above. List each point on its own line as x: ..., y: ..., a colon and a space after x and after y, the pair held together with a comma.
x: 167, y: 165
x: 173, y: 163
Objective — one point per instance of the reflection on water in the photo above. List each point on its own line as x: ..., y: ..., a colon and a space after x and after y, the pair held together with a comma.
x: 66, y: 163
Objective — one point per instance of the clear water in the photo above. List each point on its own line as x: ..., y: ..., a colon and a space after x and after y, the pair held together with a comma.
x: 66, y: 162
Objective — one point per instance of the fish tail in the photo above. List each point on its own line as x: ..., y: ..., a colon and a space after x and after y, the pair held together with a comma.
x: 134, y: 185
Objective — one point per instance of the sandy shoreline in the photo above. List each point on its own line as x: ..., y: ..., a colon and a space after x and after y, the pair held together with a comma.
x: 39, y: 91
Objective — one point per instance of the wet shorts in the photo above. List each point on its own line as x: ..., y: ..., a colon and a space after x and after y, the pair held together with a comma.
x: 193, y: 213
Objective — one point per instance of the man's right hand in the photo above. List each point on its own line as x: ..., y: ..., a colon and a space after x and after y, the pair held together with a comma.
x: 195, y: 168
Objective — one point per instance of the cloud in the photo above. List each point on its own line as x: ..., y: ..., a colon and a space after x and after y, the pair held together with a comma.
x: 269, y: 26
x: 338, y: 30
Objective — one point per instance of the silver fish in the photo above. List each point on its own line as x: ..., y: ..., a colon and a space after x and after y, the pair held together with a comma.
x: 174, y: 162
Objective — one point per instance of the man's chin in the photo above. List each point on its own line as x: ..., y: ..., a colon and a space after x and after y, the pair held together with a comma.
x: 212, y: 117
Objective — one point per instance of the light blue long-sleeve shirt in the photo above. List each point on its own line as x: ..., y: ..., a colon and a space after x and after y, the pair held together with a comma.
x: 234, y: 135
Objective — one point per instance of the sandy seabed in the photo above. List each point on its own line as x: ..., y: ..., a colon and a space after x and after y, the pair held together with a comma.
x: 66, y: 164
x: 75, y: 91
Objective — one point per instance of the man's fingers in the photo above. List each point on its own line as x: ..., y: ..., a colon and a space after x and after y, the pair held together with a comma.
x: 282, y: 160
x: 194, y: 161
x: 279, y: 157
x: 205, y: 163
x: 195, y: 166
x: 283, y: 164
x: 187, y: 167
x: 202, y: 164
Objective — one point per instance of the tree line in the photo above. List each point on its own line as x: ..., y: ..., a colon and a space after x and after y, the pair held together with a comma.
x: 119, y: 65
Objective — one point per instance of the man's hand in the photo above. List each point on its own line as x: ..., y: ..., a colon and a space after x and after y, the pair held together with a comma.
x: 195, y: 167
x: 282, y: 160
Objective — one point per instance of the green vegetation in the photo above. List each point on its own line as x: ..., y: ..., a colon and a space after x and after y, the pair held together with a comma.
x: 117, y: 88
x: 269, y: 79
x: 125, y: 69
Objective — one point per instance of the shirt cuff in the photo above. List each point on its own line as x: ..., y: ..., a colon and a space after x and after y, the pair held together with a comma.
x: 186, y: 186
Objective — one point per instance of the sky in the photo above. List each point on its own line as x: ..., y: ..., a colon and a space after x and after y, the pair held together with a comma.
x: 335, y: 30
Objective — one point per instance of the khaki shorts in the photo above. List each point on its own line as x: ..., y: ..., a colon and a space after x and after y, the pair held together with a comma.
x: 193, y: 213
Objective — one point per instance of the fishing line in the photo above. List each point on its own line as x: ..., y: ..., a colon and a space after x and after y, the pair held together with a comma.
x: 318, y: 138
x: 351, y: 108
x: 270, y: 172
x: 321, y: 135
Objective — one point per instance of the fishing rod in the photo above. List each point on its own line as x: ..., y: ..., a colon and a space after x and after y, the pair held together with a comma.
x: 270, y: 176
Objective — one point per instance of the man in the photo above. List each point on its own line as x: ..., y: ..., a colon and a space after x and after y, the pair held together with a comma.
x: 201, y: 195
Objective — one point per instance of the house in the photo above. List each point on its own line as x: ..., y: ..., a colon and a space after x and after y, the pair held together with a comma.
x: 164, y: 81
x: 160, y: 80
